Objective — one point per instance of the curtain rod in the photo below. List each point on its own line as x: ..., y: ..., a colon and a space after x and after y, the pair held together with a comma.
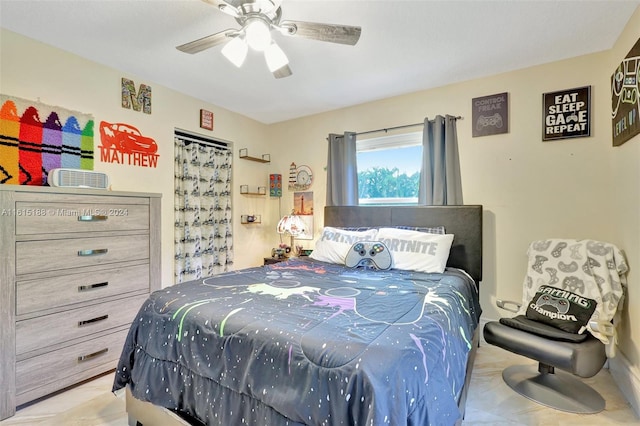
x: 190, y: 137
x: 458, y: 117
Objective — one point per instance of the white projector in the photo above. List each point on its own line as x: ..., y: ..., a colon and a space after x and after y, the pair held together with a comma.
x: 76, y: 178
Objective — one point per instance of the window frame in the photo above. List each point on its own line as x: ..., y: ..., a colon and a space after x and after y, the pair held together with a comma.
x: 388, y: 142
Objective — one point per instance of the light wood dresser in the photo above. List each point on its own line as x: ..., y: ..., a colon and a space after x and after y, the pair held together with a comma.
x: 75, y: 267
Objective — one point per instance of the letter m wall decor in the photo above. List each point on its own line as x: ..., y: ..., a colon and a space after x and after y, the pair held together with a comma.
x: 140, y: 100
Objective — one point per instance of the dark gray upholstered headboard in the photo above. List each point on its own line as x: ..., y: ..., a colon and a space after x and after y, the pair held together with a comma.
x: 465, y: 222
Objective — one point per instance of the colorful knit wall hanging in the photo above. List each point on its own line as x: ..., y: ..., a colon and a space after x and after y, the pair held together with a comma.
x: 35, y: 138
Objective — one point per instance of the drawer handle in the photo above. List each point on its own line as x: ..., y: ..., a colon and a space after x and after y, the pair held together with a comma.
x: 93, y: 252
x: 82, y: 358
x: 92, y: 320
x: 93, y: 218
x: 92, y: 286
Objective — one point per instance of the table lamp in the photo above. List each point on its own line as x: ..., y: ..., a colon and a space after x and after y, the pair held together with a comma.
x: 291, y: 224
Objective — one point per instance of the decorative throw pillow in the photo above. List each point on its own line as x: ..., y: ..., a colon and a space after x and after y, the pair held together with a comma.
x: 334, y: 243
x: 560, y: 308
x: 428, y: 230
x: 417, y: 251
x: 369, y: 255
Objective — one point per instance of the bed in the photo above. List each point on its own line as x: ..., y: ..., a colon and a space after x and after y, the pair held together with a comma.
x: 308, y: 342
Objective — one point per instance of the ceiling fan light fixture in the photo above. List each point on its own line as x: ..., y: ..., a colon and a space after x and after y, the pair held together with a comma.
x: 275, y: 57
x: 258, y: 34
x: 257, y: 19
x: 236, y: 51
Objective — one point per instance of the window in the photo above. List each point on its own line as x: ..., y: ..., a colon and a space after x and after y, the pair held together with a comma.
x: 389, y: 169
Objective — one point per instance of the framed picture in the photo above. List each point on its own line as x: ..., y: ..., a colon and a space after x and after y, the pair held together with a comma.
x: 206, y: 119
x: 303, y: 207
x: 490, y: 115
x: 566, y: 114
x: 625, y: 97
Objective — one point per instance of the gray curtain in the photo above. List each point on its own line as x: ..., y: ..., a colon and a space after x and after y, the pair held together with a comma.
x: 440, y: 182
x: 342, y: 171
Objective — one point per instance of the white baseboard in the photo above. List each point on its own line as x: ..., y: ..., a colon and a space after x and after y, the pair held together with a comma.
x: 481, y: 325
x: 627, y: 377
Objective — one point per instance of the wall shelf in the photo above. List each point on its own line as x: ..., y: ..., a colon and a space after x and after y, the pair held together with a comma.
x: 250, y: 219
x: 261, y: 190
x: 244, y: 154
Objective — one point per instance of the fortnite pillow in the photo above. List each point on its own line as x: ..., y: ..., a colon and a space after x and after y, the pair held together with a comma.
x: 417, y: 251
x: 560, y: 308
x: 334, y: 243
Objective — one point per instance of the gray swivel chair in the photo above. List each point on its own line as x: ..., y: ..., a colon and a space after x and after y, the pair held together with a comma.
x: 542, y: 383
x: 563, y: 357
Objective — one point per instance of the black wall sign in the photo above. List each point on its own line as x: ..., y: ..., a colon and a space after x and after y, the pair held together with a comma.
x: 490, y: 115
x: 625, y: 97
x: 566, y: 114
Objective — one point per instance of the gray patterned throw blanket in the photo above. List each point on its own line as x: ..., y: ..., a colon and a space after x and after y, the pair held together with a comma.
x: 565, y: 276
x: 303, y: 342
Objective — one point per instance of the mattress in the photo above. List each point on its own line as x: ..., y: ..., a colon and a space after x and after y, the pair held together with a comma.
x: 303, y: 342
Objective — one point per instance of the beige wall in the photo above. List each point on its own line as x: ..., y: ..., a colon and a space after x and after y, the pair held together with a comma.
x: 575, y: 188
x: 625, y: 170
x: 580, y: 188
x: 35, y: 71
x: 530, y: 189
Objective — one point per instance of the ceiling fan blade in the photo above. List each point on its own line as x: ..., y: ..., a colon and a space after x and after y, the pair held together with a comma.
x: 342, y: 34
x: 282, y: 72
x: 207, y: 42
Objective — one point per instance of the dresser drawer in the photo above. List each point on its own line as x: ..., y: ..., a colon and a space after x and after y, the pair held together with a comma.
x: 65, y: 366
x: 47, y: 330
x: 33, y: 218
x: 50, y: 255
x: 61, y: 290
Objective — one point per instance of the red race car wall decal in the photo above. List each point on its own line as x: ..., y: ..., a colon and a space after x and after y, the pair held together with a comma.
x: 125, y: 144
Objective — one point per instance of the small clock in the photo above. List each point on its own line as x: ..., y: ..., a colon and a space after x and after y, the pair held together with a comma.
x: 304, y: 177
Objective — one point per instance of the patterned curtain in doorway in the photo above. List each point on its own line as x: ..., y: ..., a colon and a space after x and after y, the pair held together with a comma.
x: 203, y: 229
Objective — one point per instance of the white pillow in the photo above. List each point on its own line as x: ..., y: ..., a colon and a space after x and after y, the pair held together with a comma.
x: 416, y: 251
x: 334, y: 243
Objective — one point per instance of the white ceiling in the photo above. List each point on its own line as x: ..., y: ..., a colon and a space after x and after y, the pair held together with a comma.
x: 406, y: 46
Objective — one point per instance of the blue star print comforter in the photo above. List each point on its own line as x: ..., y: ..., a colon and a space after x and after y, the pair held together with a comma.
x: 304, y: 342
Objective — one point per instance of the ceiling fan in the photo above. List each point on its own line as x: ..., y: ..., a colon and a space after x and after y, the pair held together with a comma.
x: 258, y: 18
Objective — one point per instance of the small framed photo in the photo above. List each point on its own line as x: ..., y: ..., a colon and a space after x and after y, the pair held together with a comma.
x: 303, y: 208
x: 206, y: 119
x: 566, y: 114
